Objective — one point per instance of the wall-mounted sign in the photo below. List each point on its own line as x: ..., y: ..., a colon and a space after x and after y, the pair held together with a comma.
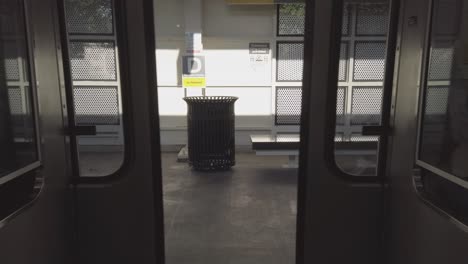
x: 194, y: 82
x: 259, y: 48
x: 193, y: 71
x: 259, y: 55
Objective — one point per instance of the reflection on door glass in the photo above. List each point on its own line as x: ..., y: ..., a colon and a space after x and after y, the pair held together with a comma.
x: 444, y: 125
x: 360, y: 84
x: 18, y: 143
x: 96, y: 85
x: 445, y: 194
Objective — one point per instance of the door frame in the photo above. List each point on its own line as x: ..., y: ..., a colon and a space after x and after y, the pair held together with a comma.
x: 132, y: 195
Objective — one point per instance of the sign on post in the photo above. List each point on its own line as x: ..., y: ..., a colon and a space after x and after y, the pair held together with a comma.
x: 193, y: 71
x: 193, y: 43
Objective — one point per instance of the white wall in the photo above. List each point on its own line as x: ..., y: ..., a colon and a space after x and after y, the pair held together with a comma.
x: 237, y: 21
x: 227, y: 32
x: 169, y: 18
x: 228, y: 63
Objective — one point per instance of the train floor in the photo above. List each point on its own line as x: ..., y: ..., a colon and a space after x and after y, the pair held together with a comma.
x: 245, y: 215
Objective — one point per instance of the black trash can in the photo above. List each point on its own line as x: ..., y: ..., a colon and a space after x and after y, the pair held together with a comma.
x: 210, y: 122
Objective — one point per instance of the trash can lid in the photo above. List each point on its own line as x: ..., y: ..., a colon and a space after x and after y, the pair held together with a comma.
x: 210, y: 99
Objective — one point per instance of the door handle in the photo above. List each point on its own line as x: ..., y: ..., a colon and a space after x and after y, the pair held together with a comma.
x: 376, y: 130
x: 81, y: 131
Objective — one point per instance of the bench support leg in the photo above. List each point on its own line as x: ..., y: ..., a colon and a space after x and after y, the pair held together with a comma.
x: 293, y: 162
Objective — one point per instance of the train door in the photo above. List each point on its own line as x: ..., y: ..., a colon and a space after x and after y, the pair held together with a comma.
x: 428, y: 196
x: 109, y: 75
x: 34, y: 198
x: 345, y: 130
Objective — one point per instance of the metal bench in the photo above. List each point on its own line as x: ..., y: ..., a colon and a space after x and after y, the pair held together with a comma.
x: 288, y: 145
x: 277, y: 145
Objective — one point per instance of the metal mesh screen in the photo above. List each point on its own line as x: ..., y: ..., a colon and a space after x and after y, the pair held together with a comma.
x: 340, y: 105
x: 338, y: 137
x: 92, y: 60
x: 436, y: 100
x: 12, y: 67
x: 285, y: 137
x: 346, y: 19
x: 369, y: 61
x: 288, y: 105
x: 366, y: 105
x: 291, y: 19
x: 361, y: 138
x: 96, y: 105
x: 290, y: 61
x: 372, y: 19
x: 343, y: 67
x: 89, y: 17
x: 15, y: 100
x: 441, y: 59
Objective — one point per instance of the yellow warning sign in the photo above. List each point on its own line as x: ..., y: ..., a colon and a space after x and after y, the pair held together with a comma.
x: 194, y: 82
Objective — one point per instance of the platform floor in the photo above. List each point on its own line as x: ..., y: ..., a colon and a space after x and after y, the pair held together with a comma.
x: 246, y: 215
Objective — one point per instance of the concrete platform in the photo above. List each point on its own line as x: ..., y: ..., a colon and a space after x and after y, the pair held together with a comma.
x: 246, y: 215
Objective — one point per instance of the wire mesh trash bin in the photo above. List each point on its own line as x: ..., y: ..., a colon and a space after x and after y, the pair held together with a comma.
x: 210, y: 122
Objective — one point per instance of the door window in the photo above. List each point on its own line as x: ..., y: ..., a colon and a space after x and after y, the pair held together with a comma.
x: 96, y: 92
x: 360, y: 88
x: 360, y: 81
x: 443, y: 141
x: 18, y: 140
x: 444, y: 112
x: 19, y: 148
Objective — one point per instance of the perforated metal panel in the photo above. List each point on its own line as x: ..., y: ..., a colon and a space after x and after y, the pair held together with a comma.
x: 369, y: 61
x: 15, y: 100
x: 340, y: 105
x: 96, y: 105
x: 89, y: 17
x: 372, y: 19
x: 338, y: 137
x: 343, y: 67
x: 366, y: 105
x: 361, y: 138
x: 436, y: 100
x: 93, y: 60
x: 441, y: 60
x: 12, y: 67
x: 346, y: 19
x: 290, y: 57
x: 288, y: 105
x: 291, y: 19
x: 285, y: 137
